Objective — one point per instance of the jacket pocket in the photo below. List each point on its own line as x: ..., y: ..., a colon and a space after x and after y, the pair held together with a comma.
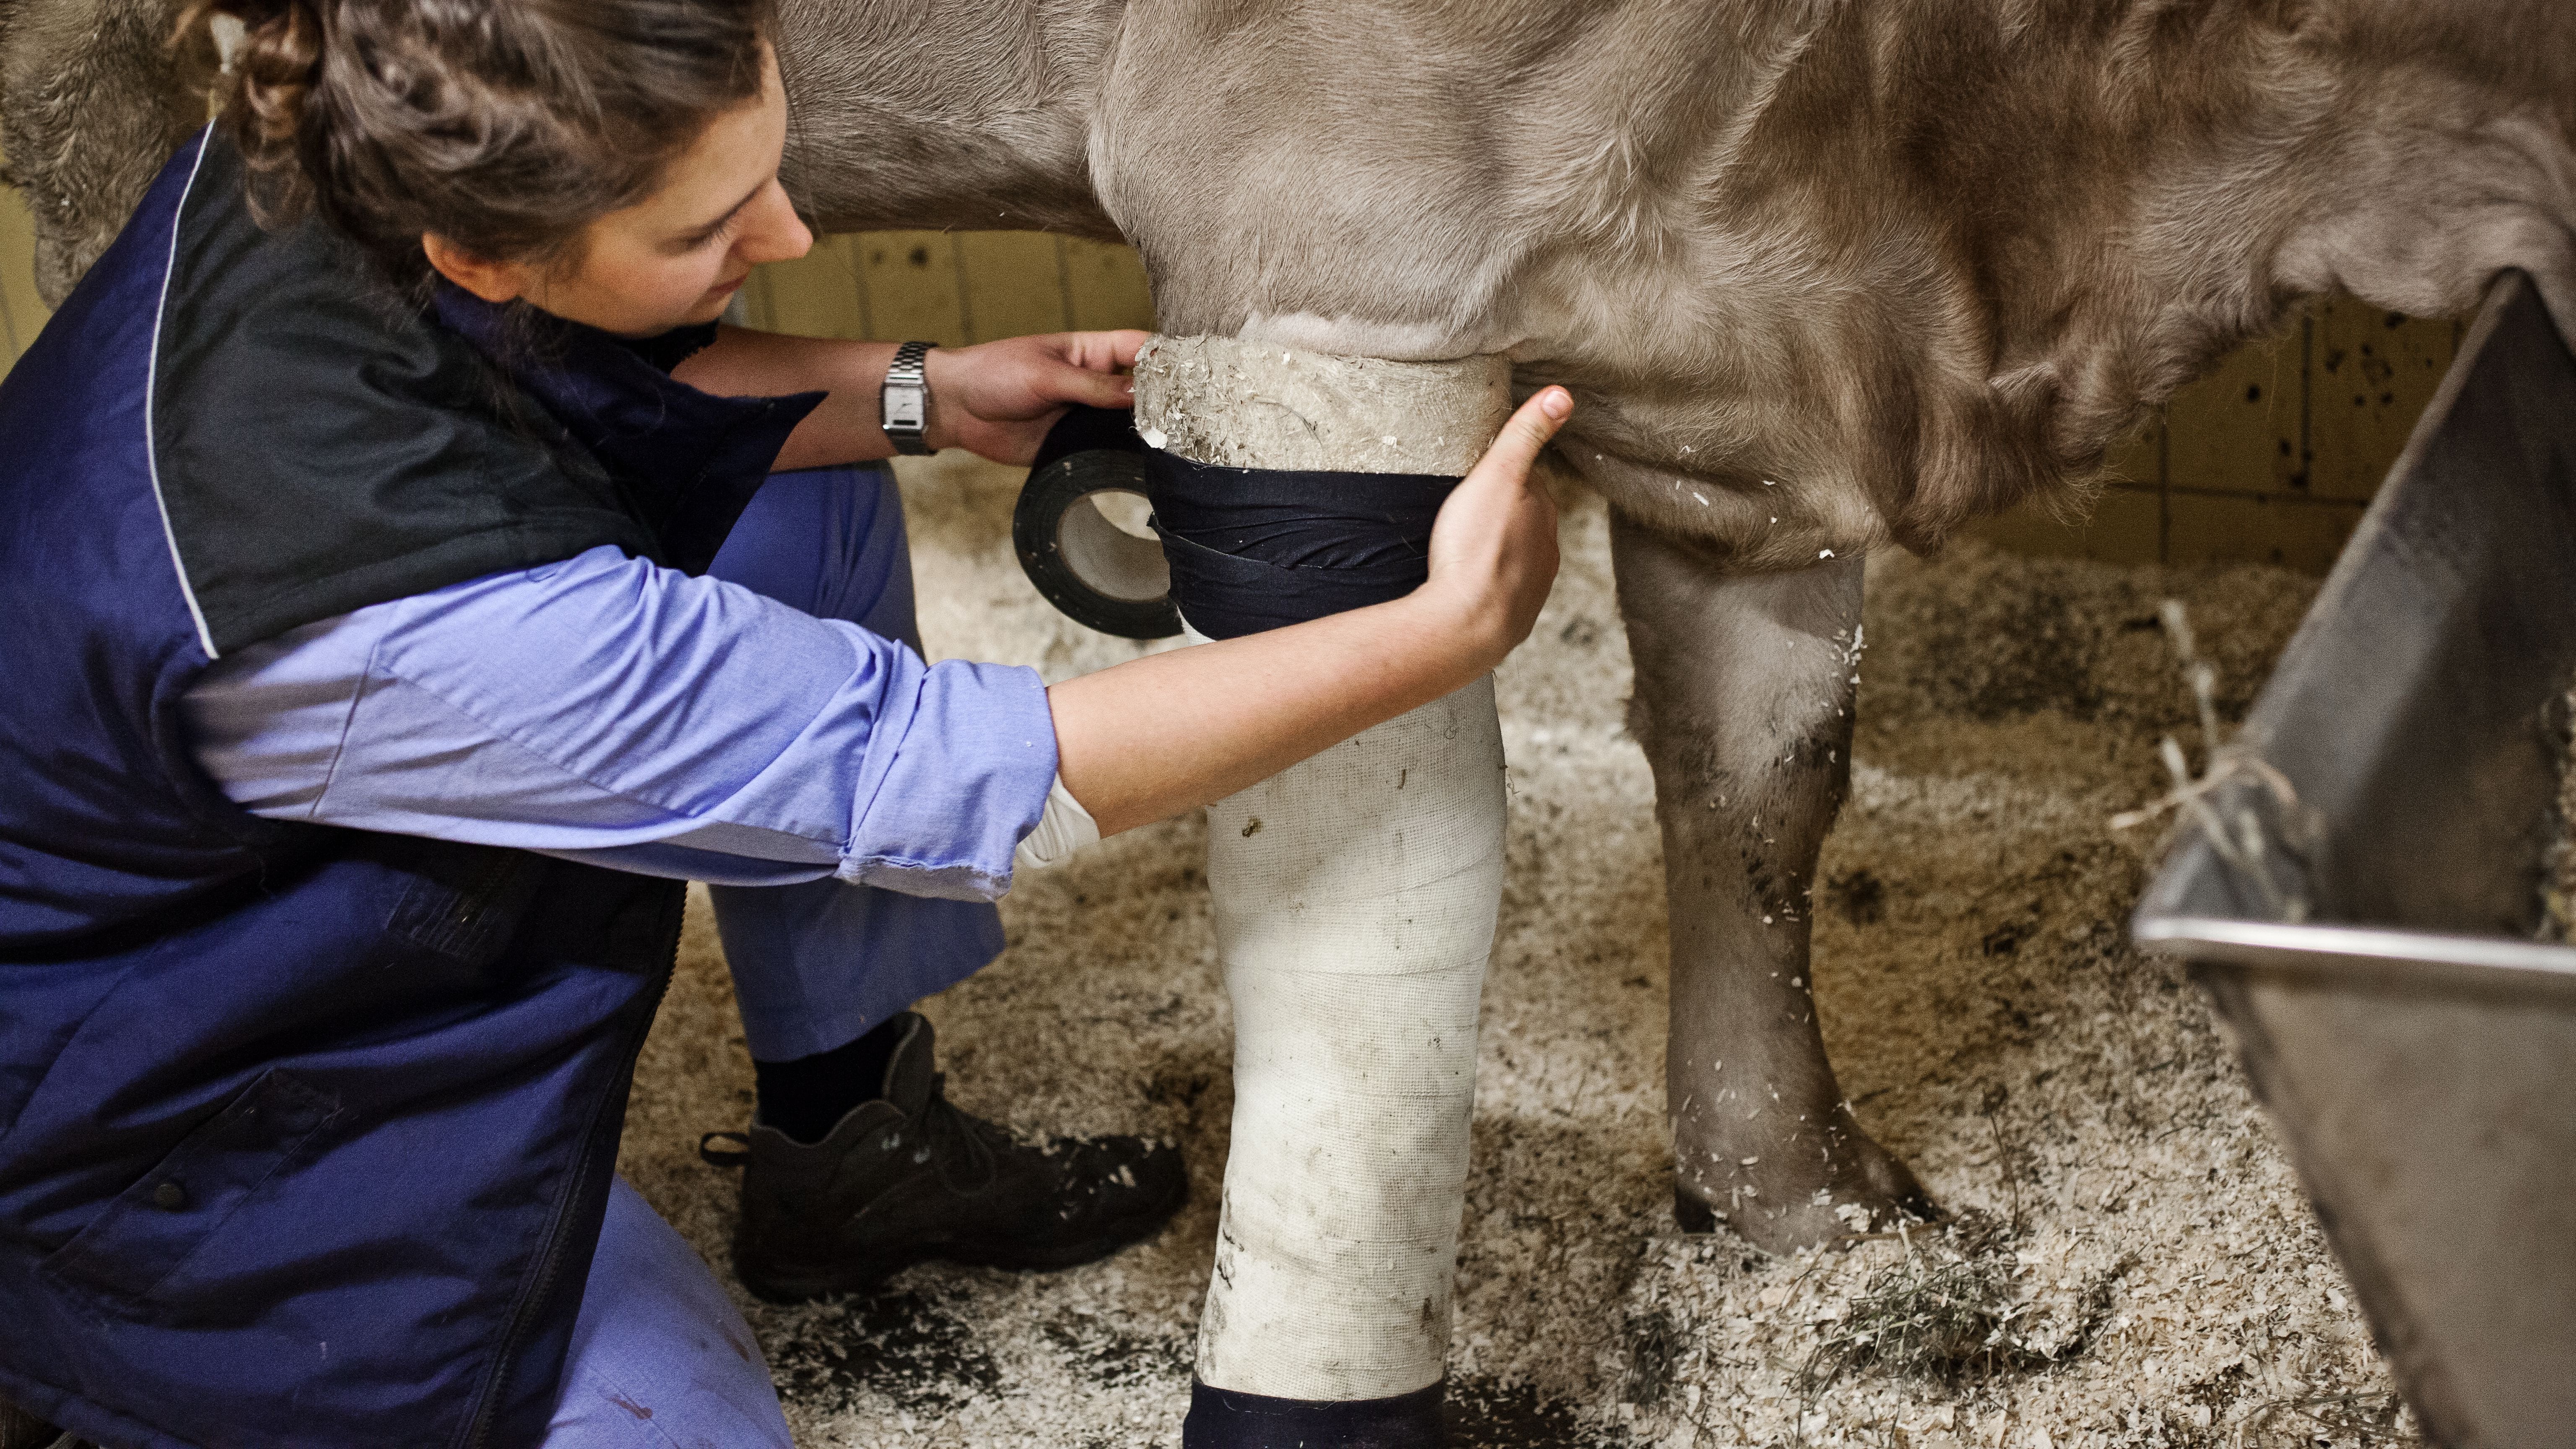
x: 463, y: 901
x: 152, y: 1227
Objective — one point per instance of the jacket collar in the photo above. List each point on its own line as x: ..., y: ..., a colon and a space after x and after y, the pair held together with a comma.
x: 689, y: 460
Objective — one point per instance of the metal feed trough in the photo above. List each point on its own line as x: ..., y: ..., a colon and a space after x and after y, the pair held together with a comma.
x: 2411, y: 1040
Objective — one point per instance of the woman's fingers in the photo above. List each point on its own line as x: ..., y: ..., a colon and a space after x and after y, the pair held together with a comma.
x: 1099, y: 389
x: 1515, y: 451
x: 1500, y: 479
x: 1112, y: 349
x: 1097, y: 351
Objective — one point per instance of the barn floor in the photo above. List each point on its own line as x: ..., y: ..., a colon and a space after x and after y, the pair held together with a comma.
x: 2133, y: 1265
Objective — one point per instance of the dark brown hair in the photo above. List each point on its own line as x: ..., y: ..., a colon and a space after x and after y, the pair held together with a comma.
x: 505, y: 126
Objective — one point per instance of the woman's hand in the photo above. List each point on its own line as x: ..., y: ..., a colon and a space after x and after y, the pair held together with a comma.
x: 1493, y: 548
x: 999, y: 398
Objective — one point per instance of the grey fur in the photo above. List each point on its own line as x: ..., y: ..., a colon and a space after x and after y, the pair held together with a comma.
x: 1826, y: 275
x: 92, y: 98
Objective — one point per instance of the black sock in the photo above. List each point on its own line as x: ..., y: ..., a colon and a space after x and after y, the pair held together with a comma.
x: 807, y: 1097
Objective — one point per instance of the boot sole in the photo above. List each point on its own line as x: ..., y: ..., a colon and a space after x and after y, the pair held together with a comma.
x: 805, y: 1287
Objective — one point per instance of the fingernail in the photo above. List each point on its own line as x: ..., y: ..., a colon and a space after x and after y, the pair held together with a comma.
x: 1557, y: 403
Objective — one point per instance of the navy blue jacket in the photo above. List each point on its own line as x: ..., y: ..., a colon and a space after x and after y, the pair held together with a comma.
x: 305, y: 1133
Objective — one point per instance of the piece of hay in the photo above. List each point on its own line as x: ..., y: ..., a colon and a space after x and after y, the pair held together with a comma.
x: 1953, y: 1311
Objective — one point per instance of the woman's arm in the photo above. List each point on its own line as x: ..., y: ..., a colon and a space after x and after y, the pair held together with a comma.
x: 997, y: 399
x: 1154, y: 737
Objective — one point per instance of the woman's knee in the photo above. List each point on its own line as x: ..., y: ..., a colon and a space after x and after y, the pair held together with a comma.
x: 829, y: 541
x: 660, y: 1357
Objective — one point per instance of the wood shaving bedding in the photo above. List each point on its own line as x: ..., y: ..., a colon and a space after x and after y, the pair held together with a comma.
x: 2132, y: 1264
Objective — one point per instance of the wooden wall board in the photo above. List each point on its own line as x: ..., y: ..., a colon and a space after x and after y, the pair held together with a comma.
x: 2302, y: 534
x: 816, y: 295
x: 22, y: 313
x: 2370, y: 375
x: 2270, y: 457
x: 1013, y: 284
x: 950, y: 288
x: 2239, y: 428
x: 914, y: 287
x: 2122, y: 524
x: 1106, y: 285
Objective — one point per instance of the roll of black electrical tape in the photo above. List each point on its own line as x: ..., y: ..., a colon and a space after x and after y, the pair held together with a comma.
x: 1094, y: 572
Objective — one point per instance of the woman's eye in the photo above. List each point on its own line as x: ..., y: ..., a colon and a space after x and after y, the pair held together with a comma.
x: 723, y: 233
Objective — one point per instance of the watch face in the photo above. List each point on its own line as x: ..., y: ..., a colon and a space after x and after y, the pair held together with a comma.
x: 903, y: 408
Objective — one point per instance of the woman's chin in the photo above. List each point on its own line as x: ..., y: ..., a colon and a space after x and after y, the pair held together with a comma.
x: 712, y: 307
x: 704, y: 312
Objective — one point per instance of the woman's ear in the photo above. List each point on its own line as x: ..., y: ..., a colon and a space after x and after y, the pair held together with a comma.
x: 492, y: 281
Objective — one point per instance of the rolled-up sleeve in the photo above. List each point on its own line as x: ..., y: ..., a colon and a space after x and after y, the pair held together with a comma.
x: 607, y: 709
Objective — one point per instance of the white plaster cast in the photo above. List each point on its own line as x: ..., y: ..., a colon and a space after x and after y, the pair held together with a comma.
x: 1253, y: 405
x: 1355, y: 899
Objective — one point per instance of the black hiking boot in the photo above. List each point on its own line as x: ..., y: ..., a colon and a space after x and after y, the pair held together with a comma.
x: 909, y: 1177
x: 22, y: 1430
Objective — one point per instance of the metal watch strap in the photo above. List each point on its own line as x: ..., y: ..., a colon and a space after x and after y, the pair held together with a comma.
x: 903, y: 404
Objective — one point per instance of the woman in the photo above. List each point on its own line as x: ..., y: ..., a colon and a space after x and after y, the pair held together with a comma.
x: 396, y: 614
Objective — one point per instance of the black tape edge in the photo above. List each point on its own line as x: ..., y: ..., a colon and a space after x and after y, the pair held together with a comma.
x: 1231, y: 1419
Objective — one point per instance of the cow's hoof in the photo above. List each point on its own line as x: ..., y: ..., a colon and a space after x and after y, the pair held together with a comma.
x: 1228, y: 1419
x: 1783, y: 1199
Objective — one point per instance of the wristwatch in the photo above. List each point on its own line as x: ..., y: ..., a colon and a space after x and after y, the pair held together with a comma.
x: 904, y: 402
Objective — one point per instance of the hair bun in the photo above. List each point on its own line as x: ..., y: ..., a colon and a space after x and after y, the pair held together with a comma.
x: 279, y: 60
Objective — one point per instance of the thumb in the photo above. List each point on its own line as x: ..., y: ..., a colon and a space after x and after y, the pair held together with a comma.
x: 1516, y: 449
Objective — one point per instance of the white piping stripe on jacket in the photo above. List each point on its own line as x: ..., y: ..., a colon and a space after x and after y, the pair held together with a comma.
x: 151, y: 399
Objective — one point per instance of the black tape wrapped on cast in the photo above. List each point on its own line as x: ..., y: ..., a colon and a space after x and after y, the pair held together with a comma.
x: 1247, y: 549
x: 1258, y: 548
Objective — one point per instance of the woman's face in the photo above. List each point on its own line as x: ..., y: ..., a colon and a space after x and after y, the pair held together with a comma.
x: 676, y: 257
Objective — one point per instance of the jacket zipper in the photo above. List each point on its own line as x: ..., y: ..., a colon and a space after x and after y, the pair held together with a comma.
x: 478, y: 1434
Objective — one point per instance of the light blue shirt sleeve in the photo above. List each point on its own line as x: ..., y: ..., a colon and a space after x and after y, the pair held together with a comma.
x: 610, y: 710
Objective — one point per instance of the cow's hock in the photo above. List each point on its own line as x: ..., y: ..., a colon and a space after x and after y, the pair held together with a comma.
x: 1355, y: 893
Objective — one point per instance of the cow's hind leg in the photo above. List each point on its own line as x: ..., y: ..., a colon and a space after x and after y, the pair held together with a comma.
x: 1744, y: 703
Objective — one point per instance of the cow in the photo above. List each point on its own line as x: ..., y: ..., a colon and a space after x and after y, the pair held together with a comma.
x: 1828, y: 276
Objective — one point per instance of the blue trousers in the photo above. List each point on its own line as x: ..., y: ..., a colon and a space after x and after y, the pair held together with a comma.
x: 816, y: 965
x: 660, y: 1359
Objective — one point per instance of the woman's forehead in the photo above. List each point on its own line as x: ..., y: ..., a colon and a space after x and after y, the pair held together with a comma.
x: 730, y: 161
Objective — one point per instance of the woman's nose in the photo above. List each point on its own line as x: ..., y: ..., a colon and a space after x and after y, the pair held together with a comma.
x: 772, y: 232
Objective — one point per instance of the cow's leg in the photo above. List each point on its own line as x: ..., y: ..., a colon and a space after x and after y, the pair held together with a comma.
x: 1744, y: 703
x: 1355, y: 900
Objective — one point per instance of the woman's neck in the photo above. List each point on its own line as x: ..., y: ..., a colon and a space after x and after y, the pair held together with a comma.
x: 967, y: 113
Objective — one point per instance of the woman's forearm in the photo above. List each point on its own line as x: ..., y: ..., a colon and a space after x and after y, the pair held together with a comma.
x: 1153, y: 737
x: 845, y: 429
x: 996, y: 398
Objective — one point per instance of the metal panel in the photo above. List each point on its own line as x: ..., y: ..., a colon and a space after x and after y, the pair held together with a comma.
x: 2416, y: 1047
